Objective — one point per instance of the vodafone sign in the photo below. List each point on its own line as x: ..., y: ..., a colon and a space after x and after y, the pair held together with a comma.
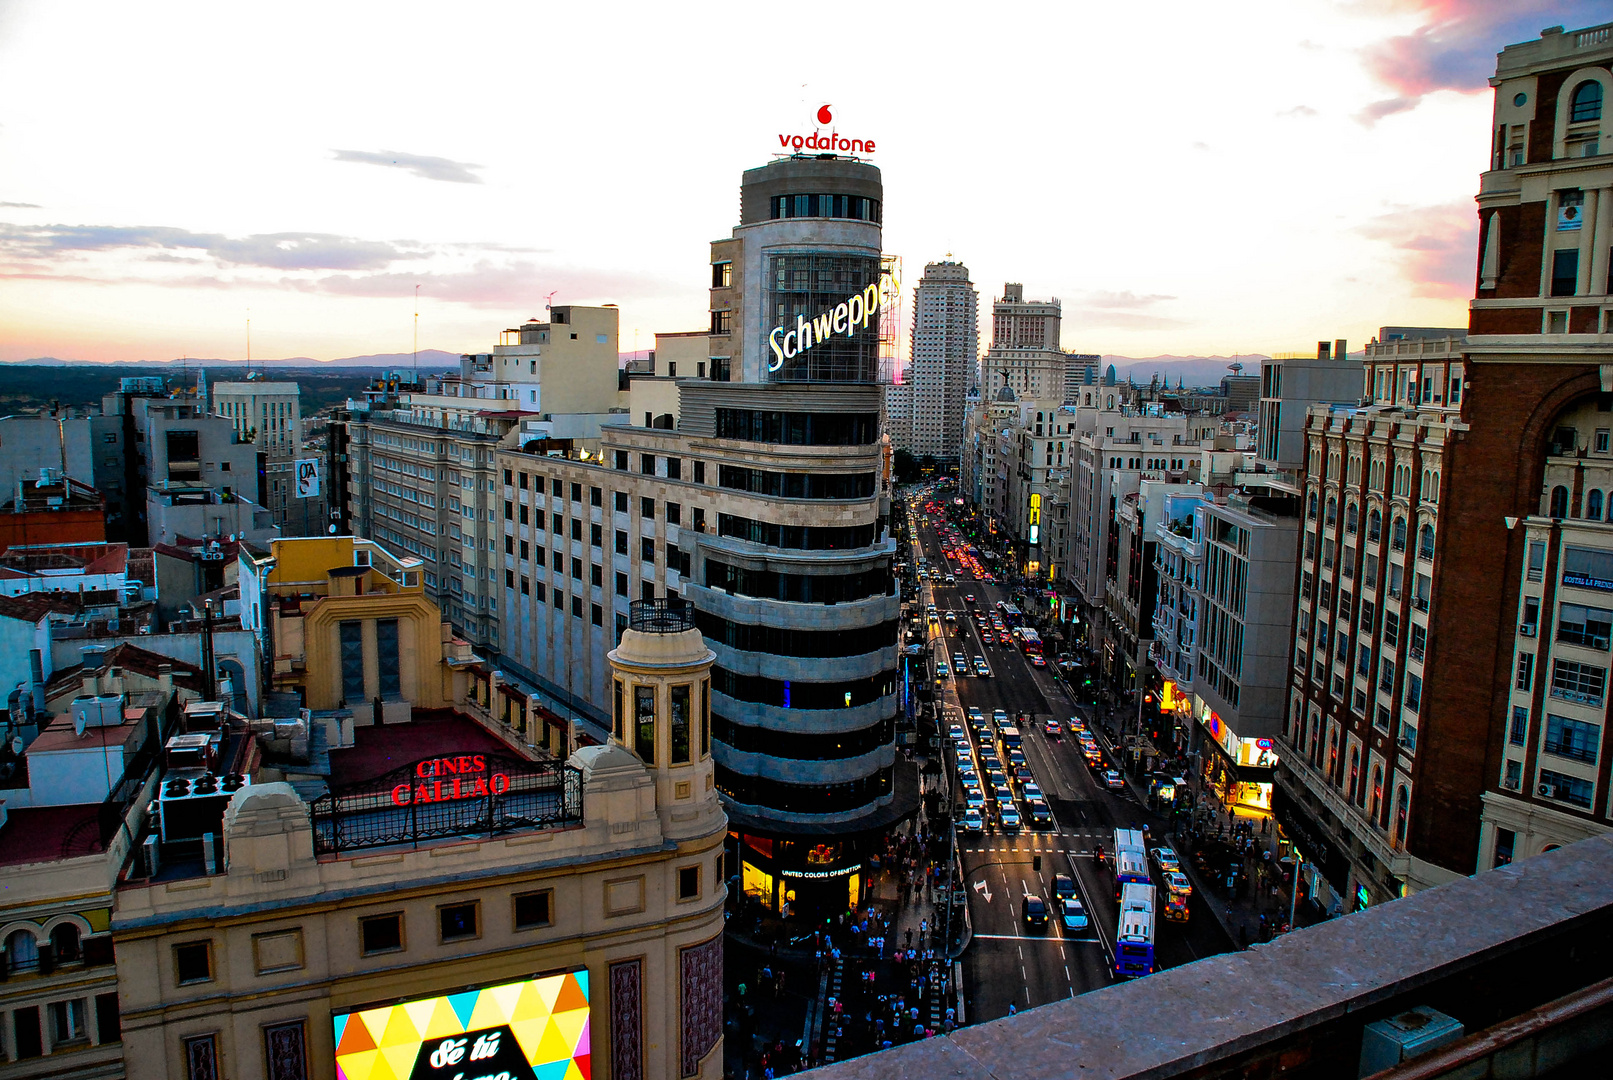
x: 830, y: 141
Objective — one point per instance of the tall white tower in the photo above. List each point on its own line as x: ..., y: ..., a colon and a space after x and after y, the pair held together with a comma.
x: 946, y: 345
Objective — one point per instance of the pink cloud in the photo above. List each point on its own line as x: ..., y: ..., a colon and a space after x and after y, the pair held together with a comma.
x: 1437, y: 247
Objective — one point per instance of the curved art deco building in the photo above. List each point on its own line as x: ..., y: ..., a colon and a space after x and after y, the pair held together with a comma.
x: 792, y: 577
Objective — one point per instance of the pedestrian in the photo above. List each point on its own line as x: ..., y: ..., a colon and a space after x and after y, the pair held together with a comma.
x: 1012, y: 1009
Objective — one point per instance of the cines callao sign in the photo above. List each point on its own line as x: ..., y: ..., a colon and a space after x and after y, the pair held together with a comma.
x: 846, y: 318
x: 830, y: 141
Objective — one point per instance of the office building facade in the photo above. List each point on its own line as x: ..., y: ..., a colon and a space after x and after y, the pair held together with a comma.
x: 945, y: 352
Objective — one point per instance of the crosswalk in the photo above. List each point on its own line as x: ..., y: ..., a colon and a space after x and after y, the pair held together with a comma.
x: 1043, y: 842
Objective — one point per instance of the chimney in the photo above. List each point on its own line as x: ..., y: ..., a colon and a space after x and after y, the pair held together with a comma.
x: 165, y: 678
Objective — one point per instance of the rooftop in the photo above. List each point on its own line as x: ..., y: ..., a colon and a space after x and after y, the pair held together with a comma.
x: 376, y: 751
x: 37, y: 834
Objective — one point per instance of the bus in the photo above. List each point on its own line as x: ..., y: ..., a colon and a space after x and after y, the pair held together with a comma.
x: 1134, y: 933
x: 1030, y: 641
x: 1012, y: 616
x: 1130, y: 860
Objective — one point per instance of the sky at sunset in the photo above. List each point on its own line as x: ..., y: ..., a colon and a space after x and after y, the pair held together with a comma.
x: 1188, y: 178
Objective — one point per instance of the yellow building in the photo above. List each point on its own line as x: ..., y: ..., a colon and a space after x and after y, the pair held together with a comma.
x: 348, y: 625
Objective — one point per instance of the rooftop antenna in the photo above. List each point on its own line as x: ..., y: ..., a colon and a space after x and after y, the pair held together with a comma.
x: 417, y: 330
x: 548, y: 301
x: 249, y: 343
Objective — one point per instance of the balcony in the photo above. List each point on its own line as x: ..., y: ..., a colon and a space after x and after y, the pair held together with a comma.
x: 1577, y: 697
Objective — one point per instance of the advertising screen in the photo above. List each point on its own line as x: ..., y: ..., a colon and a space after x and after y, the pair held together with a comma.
x: 533, y: 1029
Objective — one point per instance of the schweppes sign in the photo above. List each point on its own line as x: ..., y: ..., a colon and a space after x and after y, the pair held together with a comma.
x: 845, y: 319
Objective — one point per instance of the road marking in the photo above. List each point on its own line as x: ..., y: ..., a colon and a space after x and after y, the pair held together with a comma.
x: 980, y: 887
x: 1026, y: 937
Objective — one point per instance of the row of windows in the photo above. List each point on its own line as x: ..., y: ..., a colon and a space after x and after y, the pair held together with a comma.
x: 780, y: 641
x: 789, y: 485
x: 805, y: 798
x: 791, y: 694
x: 854, y: 207
x: 802, y: 746
x: 800, y: 537
x: 798, y: 429
x: 799, y: 588
x: 689, y: 721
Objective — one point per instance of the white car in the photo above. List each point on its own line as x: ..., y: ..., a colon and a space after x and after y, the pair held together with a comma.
x: 942, y: 671
x: 972, y: 821
x: 981, y: 670
x: 1009, y: 818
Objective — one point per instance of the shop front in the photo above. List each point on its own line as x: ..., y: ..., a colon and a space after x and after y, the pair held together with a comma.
x: 800, y: 877
x: 1238, y: 770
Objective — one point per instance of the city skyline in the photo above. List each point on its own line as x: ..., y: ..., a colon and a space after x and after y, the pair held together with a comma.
x: 312, y: 201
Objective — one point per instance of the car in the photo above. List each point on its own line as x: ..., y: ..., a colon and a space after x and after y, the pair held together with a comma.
x: 997, y: 778
x: 1008, y: 817
x: 1031, y: 791
x: 1165, y: 859
x: 958, y: 733
x: 1016, y: 757
x: 1063, y: 887
x: 999, y: 717
x: 968, y: 777
x: 982, y: 671
x: 975, y: 799
x: 960, y: 663
x: 970, y: 599
x: 942, y: 671
x: 950, y: 580
x: 1113, y: 780
x: 1052, y: 729
x: 1074, y: 726
x: 1004, y: 639
x: 1074, y: 916
x: 1037, y: 660
x: 1033, y: 909
x: 1040, y: 815
x: 952, y: 618
x: 1002, y: 796
x: 973, y: 821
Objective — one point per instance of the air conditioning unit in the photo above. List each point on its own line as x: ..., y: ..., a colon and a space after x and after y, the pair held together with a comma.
x: 1545, y: 791
x: 1527, y: 629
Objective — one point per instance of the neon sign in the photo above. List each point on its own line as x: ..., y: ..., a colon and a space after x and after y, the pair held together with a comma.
x: 440, y: 781
x: 845, y: 318
x: 832, y: 141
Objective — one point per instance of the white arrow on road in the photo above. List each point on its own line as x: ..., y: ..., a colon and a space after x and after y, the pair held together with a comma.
x: 980, y: 887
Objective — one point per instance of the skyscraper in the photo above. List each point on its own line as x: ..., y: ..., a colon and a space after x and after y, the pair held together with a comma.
x: 1024, y: 348
x: 946, y: 345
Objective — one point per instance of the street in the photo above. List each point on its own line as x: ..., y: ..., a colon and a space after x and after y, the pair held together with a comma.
x: 1008, y: 962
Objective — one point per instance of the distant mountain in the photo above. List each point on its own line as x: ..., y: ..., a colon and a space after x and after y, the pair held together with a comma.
x: 434, y: 359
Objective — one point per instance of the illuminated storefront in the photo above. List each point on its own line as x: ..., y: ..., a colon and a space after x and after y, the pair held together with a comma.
x: 1238, y: 770
x: 809, y: 877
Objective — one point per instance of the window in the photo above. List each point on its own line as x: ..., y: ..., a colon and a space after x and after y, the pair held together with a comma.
x: 1414, y: 692
x: 679, y: 726
x: 1537, y: 561
x: 1564, y: 273
x: 621, y: 542
x: 457, y: 922
x: 1586, y: 104
x: 576, y: 529
x: 64, y: 942
x: 108, y: 1023
x: 576, y: 568
x: 646, y: 509
x: 193, y: 962
x: 201, y: 1057
x: 1505, y: 841
x: 722, y: 275
x: 674, y: 468
x: 1526, y: 671
x: 386, y: 651
x: 646, y: 464
x: 532, y: 910
x: 381, y: 933
x: 1586, y: 626
x: 700, y: 472
x: 576, y: 606
x: 722, y: 322
x: 554, y: 487
x: 1568, y: 789
x: 1574, y: 739
x: 1593, y: 504
x: 351, y: 636
x: 598, y: 615
x: 67, y: 1021
x: 621, y: 584
x: 621, y: 501
x: 1519, y: 732
x: 644, y: 723
x: 1582, y: 683
x: 688, y: 883
x: 647, y: 549
x: 1513, y: 777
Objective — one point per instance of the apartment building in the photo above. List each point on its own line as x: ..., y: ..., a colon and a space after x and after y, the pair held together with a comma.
x: 268, y: 414
x: 420, y: 474
x: 1363, y: 729
x: 1541, y: 321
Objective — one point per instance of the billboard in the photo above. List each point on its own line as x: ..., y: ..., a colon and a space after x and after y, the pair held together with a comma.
x: 307, y: 478
x: 532, y: 1029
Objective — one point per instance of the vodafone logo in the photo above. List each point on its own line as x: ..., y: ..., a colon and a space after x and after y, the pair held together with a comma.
x: 831, y: 140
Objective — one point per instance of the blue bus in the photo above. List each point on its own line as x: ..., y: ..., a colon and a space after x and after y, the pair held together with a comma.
x: 1130, y: 860
x: 1134, y: 932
